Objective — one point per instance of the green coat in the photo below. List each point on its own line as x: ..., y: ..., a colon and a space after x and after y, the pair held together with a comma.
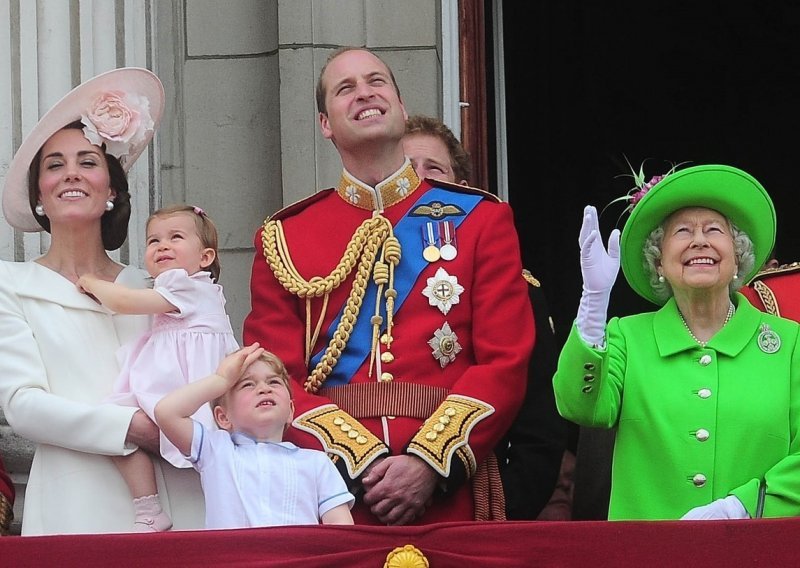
x: 694, y: 424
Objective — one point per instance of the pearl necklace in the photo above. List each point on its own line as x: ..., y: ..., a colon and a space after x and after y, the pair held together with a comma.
x: 731, y: 311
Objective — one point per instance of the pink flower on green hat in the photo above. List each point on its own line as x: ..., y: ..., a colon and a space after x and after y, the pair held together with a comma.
x: 644, y: 188
x: 640, y: 187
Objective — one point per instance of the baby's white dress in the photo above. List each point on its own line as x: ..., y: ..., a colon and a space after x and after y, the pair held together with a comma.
x: 180, y: 347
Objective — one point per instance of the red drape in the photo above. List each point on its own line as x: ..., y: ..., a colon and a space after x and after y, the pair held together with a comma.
x: 764, y: 542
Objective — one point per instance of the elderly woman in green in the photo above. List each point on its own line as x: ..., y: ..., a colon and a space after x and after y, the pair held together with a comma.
x: 705, y: 391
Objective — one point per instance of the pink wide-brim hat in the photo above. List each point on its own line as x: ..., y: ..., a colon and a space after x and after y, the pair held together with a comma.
x: 136, y: 80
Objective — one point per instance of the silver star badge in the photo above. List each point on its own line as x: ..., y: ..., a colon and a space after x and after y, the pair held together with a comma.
x: 445, y: 345
x: 443, y: 290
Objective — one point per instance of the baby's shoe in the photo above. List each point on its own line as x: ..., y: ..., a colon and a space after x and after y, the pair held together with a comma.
x: 150, y: 517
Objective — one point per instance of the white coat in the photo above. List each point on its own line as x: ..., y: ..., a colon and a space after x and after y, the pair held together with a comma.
x: 57, y: 363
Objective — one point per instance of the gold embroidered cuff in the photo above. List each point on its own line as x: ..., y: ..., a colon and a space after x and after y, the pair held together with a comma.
x: 342, y: 435
x: 446, y: 433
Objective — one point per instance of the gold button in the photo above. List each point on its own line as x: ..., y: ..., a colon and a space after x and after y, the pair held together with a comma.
x: 385, y: 339
x: 444, y: 419
x: 450, y: 411
x: 431, y: 436
x: 387, y: 377
x: 438, y: 427
x: 345, y: 427
x: 352, y: 434
x: 387, y: 357
x: 361, y: 440
x: 338, y: 420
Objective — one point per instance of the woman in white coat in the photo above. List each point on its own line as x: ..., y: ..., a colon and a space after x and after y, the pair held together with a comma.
x: 59, y: 346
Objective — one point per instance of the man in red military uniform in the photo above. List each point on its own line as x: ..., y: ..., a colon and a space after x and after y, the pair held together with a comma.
x: 775, y: 290
x: 398, y: 309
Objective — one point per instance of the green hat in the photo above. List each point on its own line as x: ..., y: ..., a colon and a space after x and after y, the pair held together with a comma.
x: 730, y: 191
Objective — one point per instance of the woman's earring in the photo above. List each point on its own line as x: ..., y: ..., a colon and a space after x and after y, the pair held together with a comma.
x: 661, y: 278
x: 109, y: 205
x: 736, y: 276
x: 39, y: 210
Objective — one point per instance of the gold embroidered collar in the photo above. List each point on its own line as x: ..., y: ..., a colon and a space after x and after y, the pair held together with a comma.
x: 390, y: 191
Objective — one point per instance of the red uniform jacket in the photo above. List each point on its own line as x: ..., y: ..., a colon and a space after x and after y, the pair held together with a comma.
x: 450, y: 413
x: 776, y: 291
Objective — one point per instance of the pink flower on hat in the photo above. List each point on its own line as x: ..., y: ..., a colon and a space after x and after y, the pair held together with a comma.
x: 119, y: 120
x: 640, y: 187
x: 644, y: 188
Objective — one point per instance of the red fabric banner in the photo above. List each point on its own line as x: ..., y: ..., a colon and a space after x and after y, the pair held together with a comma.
x: 764, y: 542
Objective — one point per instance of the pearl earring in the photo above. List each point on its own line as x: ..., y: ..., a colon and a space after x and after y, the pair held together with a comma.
x: 736, y: 276
x: 661, y: 278
x: 109, y: 205
x: 39, y: 210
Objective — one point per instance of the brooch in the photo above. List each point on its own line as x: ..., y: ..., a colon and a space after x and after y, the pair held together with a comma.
x: 408, y: 556
x: 768, y: 340
x: 445, y: 345
x: 436, y: 210
x: 443, y: 290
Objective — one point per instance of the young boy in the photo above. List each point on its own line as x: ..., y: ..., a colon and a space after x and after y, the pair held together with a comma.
x: 250, y: 476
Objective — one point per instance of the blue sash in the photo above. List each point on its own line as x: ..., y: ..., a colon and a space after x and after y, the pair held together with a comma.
x: 409, y: 232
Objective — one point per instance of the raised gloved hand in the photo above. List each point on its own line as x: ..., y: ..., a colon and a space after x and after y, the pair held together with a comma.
x: 727, y: 508
x: 599, y: 269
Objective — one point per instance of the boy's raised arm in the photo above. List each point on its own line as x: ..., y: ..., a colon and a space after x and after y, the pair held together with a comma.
x: 174, y: 411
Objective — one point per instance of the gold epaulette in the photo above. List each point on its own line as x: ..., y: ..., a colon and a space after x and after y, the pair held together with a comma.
x: 530, y: 278
x: 446, y: 433
x: 298, y: 206
x: 342, y: 435
x: 533, y: 281
x: 774, y: 271
x: 463, y: 188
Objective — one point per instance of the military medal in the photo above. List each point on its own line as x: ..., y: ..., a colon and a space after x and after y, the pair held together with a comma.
x: 768, y: 341
x: 445, y: 345
x: 442, y: 290
x: 447, y: 230
x: 430, y: 240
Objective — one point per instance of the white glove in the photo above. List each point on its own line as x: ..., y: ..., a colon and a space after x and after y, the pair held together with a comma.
x: 728, y: 508
x: 599, y: 270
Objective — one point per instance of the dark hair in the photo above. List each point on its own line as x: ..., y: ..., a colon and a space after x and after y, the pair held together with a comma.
x: 114, y: 223
x: 206, y: 230
x: 321, y: 107
x: 419, y: 124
